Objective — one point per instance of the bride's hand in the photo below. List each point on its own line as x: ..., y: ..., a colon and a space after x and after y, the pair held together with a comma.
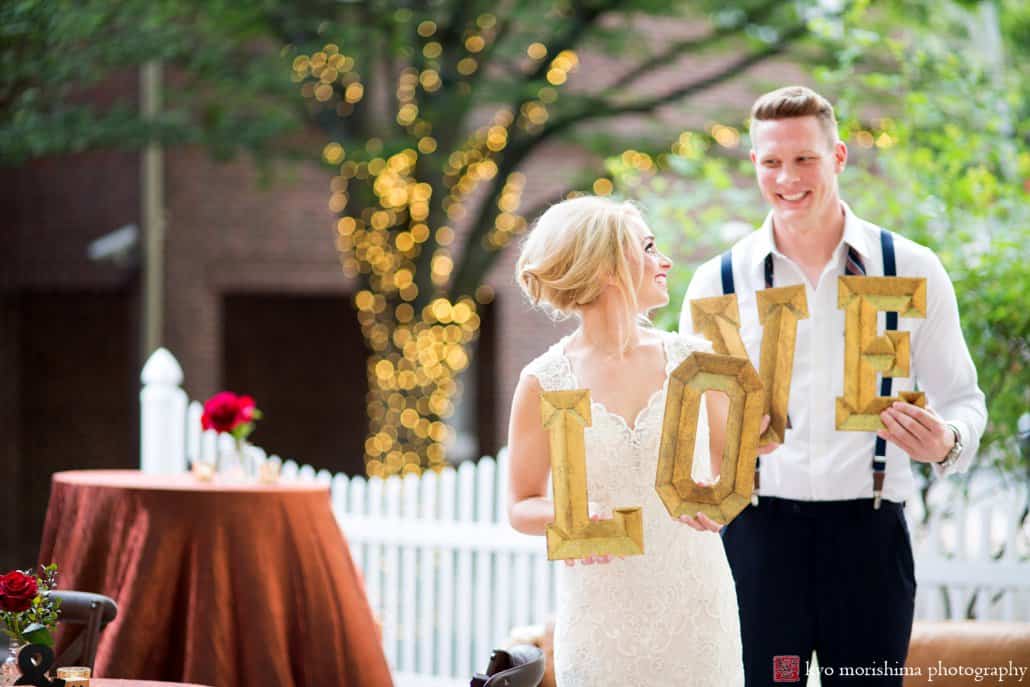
x: 590, y: 560
x: 701, y: 523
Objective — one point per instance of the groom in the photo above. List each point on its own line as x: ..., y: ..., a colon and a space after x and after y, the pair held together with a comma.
x: 816, y: 566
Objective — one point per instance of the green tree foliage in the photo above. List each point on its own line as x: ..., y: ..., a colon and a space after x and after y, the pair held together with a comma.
x: 229, y: 89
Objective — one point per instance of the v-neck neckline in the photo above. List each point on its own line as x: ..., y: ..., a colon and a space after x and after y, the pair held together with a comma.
x: 632, y: 429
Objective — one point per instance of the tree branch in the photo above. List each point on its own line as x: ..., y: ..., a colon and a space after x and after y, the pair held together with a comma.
x: 691, y: 45
x: 474, y: 260
x: 601, y: 110
x: 477, y: 259
x: 584, y: 19
x: 540, y: 207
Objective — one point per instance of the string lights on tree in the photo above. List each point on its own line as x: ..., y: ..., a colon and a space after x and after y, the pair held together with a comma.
x: 398, y: 212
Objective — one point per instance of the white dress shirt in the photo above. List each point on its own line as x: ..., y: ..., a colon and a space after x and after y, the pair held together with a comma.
x: 816, y: 462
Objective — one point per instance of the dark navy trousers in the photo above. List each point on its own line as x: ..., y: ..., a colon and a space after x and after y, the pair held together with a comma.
x: 831, y: 576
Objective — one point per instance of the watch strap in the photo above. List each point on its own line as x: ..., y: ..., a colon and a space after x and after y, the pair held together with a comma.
x: 956, y: 449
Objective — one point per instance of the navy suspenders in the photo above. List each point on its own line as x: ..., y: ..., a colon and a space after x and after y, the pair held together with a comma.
x: 726, y: 262
x: 890, y: 269
x: 853, y: 267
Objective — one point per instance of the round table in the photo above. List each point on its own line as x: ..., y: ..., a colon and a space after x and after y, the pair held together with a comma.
x: 219, y: 584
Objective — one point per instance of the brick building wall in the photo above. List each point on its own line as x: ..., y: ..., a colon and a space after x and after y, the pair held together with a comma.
x: 10, y: 427
x: 67, y: 332
x: 225, y: 234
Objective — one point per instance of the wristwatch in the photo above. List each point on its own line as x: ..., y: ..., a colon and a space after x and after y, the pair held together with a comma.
x: 955, y: 451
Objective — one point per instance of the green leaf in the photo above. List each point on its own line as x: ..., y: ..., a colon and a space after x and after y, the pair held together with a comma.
x: 38, y: 634
x: 40, y: 637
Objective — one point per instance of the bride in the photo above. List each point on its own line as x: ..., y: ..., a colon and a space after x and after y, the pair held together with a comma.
x: 668, y: 616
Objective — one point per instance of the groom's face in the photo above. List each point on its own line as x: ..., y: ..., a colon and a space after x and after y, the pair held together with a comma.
x: 797, y: 164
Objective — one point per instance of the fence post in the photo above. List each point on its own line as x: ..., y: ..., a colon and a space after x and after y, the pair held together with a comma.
x: 162, y: 416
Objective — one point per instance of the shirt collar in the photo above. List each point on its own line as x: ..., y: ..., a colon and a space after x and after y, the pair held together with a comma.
x: 854, y: 236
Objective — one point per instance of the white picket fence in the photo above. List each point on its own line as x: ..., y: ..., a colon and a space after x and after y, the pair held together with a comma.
x: 443, y: 570
x: 448, y: 577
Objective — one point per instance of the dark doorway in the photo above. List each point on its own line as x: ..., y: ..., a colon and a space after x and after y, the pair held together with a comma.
x: 488, y: 431
x: 78, y: 396
x: 302, y: 358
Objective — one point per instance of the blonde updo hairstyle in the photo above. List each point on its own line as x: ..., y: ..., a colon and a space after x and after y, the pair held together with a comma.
x: 574, y: 248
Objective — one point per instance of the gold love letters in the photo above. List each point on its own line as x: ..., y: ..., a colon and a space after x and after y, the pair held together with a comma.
x: 718, y: 320
x: 573, y: 534
x: 676, y: 488
x: 866, y: 353
x: 779, y: 309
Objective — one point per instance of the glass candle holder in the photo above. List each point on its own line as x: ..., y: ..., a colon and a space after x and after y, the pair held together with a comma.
x: 74, y: 676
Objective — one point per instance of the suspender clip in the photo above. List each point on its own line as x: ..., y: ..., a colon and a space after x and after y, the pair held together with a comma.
x: 758, y: 481
x: 878, y: 475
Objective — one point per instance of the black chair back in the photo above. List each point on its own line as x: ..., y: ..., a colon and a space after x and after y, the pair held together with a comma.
x: 93, y: 612
x: 518, y: 666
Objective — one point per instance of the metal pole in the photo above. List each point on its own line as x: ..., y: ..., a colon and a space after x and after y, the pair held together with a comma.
x: 153, y: 220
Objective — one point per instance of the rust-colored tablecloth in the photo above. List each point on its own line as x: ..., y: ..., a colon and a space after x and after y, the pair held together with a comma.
x: 108, y: 682
x: 216, y: 584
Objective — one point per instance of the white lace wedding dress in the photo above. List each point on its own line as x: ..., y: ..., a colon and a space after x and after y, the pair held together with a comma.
x: 668, y: 617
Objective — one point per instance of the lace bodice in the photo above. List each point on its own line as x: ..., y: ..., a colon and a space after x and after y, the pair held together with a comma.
x: 672, y: 609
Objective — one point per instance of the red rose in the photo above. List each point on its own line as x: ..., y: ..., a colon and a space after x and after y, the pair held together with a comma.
x: 225, y: 411
x: 221, y: 412
x: 17, y: 590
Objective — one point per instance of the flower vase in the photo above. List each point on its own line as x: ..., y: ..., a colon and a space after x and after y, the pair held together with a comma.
x: 232, y: 464
x: 9, y: 671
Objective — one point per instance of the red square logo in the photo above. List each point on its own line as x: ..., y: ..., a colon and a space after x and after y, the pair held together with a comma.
x: 786, y: 669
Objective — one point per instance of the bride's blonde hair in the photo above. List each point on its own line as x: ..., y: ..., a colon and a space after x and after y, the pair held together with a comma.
x: 574, y: 248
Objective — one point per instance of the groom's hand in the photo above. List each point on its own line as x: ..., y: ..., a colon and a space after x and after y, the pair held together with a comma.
x: 919, y: 432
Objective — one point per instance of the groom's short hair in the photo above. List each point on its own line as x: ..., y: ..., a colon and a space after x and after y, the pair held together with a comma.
x: 795, y: 101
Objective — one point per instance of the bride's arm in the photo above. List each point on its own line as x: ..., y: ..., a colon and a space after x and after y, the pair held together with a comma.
x: 718, y: 406
x: 529, y: 509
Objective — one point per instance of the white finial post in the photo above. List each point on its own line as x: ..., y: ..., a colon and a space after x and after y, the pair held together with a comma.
x: 162, y: 416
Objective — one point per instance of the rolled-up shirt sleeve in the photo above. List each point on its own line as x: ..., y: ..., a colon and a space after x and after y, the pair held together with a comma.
x: 944, y: 369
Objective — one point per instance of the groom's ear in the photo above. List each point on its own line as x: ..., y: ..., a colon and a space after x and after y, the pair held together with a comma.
x: 840, y: 156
